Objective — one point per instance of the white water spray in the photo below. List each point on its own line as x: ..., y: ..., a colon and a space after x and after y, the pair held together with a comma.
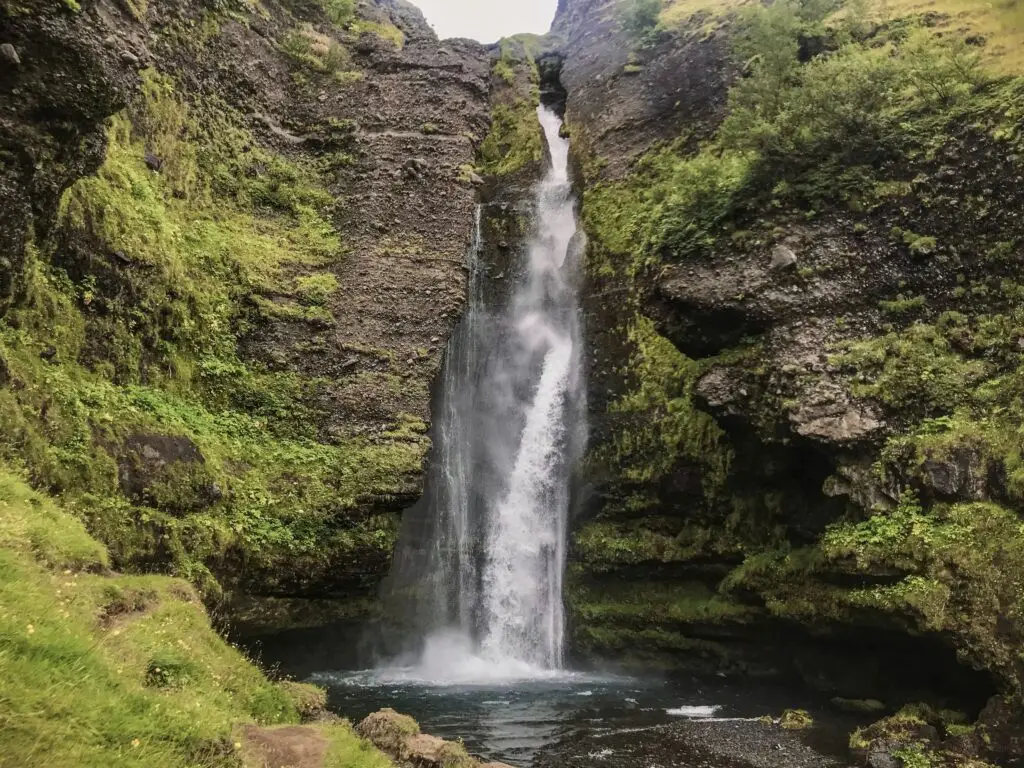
x: 480, y: 562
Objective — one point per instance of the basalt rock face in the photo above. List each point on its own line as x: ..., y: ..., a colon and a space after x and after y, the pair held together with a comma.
x: 800, y: 395
x: 232, y: 251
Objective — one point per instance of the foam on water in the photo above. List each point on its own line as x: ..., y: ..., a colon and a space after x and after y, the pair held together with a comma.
x: 693, y: 712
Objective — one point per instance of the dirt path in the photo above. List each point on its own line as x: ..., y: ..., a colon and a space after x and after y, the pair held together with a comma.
x: 292, y: 746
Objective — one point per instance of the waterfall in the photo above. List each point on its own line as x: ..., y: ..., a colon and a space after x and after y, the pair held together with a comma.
x: 479, y: 566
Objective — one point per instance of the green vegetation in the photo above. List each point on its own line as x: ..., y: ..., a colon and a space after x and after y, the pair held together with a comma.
x: 804, y: 133
x: 340, y: 12
x: 639, y: 17
x: 515, y: 140
x: 661, y: 425
x: 384, y: 30
x: 99, y: 670
x: 839, y: 115
x: 796, y: 720
x: 318, y: 52
x: 668, y: 604
x: 128, y: 337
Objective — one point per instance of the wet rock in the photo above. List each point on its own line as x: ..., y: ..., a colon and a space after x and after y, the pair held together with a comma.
x: 880, y: 758
x: 172, y: 462
x: 961, y: 474
x: 1004, y: 728
x: 879, y: 745
x: 835, y: 424
x: 690, y: 744
x: 10, y: 54
x: 858, y: 480
x: 721, y: 390
x: 152, y: 162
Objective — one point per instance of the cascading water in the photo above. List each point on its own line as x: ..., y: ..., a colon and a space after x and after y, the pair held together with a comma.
x: 479, y: 566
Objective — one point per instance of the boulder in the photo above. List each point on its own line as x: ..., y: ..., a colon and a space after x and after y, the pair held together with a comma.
x: 782, y: 258
x: 826, y: 414
x: 399, y: 737
x: 10, y: 54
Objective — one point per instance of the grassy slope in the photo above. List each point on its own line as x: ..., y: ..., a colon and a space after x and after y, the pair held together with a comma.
x: 1000, y: 22
x: 104, y: 670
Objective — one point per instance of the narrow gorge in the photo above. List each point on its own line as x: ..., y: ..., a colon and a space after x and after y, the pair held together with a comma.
x: 645, y: 393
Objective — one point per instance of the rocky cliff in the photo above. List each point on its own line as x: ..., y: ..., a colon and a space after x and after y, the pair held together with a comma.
x: 233, y: 249
x: 231, y: 254
x: 803, y: 315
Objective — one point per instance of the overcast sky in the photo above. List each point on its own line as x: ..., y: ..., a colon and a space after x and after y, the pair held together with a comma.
x: 487, y: 20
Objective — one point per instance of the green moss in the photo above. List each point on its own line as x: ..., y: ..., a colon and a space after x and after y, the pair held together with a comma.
x: 316, y: 51
x: 605, y: 545
x: 660, y: 426
x: 515, y: 139
x: 132, y: 326
x: 316, y: 289
x: 902, y: 305
x: 340, y: 12
x: 653, y: 604
x: 912, y: 369
x: 796, y: 720
x: 76, y: 654
x: 919, y: 245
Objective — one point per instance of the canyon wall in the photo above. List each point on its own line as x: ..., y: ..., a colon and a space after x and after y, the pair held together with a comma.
x: 804, y: 234
x: 233, y: 254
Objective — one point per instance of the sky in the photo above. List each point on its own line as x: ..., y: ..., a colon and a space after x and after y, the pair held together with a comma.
x: 487, y: 20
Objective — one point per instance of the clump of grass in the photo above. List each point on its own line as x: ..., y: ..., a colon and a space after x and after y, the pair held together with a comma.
x: 99, y: 670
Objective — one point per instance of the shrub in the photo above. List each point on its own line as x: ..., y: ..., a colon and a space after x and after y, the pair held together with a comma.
x: 639, y: 16
x: 340, y: 12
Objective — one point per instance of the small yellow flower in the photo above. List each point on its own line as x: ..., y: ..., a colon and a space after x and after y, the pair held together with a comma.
x: 135, y: 742
x: 238, y: 745
x: 31, y: 629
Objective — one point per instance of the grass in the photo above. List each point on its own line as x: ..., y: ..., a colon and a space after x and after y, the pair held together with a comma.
x: 999, y: 22
x: 99, y: 669
x: 78, y: 650
x: 676, y: 13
